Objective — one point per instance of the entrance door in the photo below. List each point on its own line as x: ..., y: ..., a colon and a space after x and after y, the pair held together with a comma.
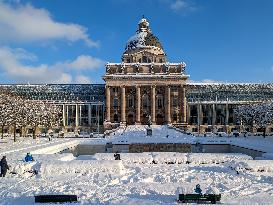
x: 131, y: 120
x: 144, y: 119
x: 159, y: 119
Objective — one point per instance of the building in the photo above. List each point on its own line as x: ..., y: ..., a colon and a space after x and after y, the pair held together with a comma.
x: 82, y: 105
x: 143, y: 86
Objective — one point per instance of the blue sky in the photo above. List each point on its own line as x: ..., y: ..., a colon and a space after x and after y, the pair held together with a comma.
x: 64, y: 41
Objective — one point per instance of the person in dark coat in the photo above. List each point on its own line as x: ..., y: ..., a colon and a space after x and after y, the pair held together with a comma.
x: 4, y: 166
x: 117, y: 156
x: 29, y: 158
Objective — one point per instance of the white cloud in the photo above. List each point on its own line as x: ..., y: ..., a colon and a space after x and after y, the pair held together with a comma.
x: 82, y: 62
x: 12, y: 68
x: 181, y: 5
x: 81, y: 79
x: 24, y: 23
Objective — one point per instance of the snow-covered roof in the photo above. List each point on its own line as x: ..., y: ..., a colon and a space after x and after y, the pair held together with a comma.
x: 143, y: 37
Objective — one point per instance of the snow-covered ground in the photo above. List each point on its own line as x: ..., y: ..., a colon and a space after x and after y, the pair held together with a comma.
x: 139, y: 178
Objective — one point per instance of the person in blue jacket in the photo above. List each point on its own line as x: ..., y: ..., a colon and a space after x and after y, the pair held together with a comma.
x: 198, y: 189
x: 29, y: 158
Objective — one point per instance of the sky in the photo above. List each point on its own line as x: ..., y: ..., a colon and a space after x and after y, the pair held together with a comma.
x: 61, y: 41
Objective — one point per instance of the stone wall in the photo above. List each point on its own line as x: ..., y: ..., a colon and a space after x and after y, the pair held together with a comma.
x: 185, y: 148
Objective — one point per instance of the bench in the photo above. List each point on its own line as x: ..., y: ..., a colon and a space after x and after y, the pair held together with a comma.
x: 213, y: 198
x: 55, y: 198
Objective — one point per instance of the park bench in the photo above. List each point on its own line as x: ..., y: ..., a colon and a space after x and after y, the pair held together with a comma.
x: 213, y: 198
x: 55, y: 198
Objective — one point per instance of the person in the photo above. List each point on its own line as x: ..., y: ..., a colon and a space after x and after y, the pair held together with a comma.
x: 117, y: 156
x: 197, y: 189
x: 4, y: 166
x: 28, y: 157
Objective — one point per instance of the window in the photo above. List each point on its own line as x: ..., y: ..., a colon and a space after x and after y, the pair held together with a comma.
x: 131, y: 101
x: 159, y: 102
x: 144, y: 59
x: 128, y: 60
x: 145, y: 101
x: 194, y: 129
x: 208, y: 129
x: 115, y: 89
x: 175, y: 100
x: 115, y: 102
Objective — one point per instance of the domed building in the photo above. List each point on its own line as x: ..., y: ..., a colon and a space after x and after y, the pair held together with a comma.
x: 144, y: 85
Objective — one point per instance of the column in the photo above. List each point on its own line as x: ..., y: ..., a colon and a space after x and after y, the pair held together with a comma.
x: 77, y: 115
x: 138, y: 103
x: 199, y: 114
x: 153, y: 103
x: 227, y: 116
x: 188, y: 113
x: 64, y: 118
x: 108, y: 104
x: 168, y: 104
x: 89, y: 114
x: 213, y: 115
x: 183, y: 105
x: 123, y: 104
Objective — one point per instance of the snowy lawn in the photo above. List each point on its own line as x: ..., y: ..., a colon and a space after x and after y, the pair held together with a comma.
x: 136, y: 179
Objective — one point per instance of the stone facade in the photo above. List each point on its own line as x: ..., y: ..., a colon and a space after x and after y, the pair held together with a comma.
x: 144, y: 84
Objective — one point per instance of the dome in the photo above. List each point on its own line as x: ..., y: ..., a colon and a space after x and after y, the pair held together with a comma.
x: 143, y: 37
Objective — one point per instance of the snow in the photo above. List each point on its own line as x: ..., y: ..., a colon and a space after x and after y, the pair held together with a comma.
x: 161, y: 134
x: 79, y: 166
x: 253, y: 165
x: 208, y: 158
x: 137, y: 41
x: 136, y: 179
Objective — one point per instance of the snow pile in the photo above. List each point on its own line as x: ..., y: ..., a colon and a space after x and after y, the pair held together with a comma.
x: 127, y: 158
x: 211, y: 158
x: 253, y: 165
x: 170, y: 157
x: 22, y: 167
x: 66, y: 157
x: 80, y: 167
x: 56, y: 147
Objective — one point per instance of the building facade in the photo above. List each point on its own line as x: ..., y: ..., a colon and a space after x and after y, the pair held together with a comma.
x: 145, y: 86
x: 82, y: 105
